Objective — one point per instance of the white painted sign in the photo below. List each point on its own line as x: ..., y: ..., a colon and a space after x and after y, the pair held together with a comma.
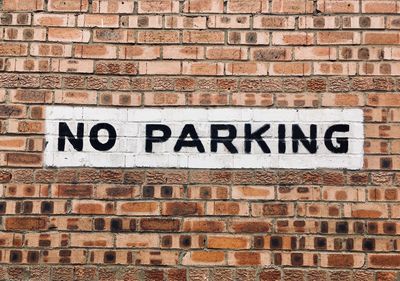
x: 204, y: 138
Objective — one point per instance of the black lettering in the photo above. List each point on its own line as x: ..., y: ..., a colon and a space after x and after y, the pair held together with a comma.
x: 281, y: 136
x: 189, y: 131
x: 65, y: 132
x: 94, y: 137
x: 227, y: 141
x: 150, y: 138
x: 343, y: 142
x: 257, y: 136
x: 298, y: 135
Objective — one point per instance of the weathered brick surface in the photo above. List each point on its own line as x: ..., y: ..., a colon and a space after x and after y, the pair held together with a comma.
x: 175, y: 224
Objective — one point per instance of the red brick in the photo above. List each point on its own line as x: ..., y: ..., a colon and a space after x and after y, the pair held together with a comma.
x: 226, y: 242
x: 242, y: 6
x: 105, y: 21
x: 374, y: 7
x: 54, y: 20
x: 338, y: 6
x: 203, y: 37
x: 383, y: 261
x: 204, y: 258
x: 13, y: 49
x: 68, y: 5
x: 160, y: 6
x: 73, y: 191
x: 26, y: 223
x: 204, y: 6
x: 200, y: 225
x: 392, y: 100
x: 68, y: 35
x: 292, y: 6
x: 159, y: 224
x: 23, y: 159
x: 342, y: 260
x: 22, y: 5
x: 95, y: 51
x: 381, y: 38
x: 248, y: 258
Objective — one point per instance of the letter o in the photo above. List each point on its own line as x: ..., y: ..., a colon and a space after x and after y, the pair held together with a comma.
x: 94, y: 137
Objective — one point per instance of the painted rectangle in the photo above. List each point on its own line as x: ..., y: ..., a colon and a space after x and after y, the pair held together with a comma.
x: 204, y: 137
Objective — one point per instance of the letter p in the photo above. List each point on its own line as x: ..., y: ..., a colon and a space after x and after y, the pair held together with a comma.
x: 150, y: 138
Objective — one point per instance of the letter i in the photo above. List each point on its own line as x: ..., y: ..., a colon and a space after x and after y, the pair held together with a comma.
x: 282, y: 136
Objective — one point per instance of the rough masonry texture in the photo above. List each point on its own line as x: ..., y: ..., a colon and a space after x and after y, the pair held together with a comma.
x: 87, y: 223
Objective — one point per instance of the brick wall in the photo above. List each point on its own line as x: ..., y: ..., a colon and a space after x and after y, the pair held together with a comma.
x: 191, y: 224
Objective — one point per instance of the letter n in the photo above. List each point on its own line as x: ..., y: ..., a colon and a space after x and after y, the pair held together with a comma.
x: 65, y: 132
